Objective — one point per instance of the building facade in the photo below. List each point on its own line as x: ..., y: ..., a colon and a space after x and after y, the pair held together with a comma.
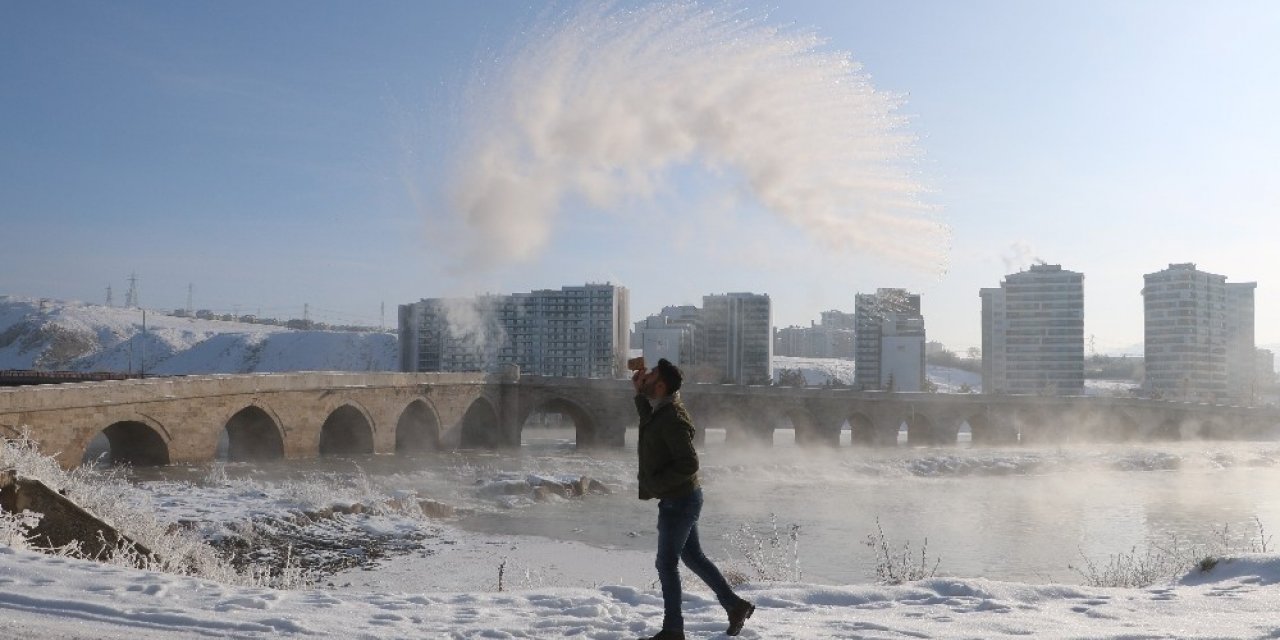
x: 902, y: 354
x: 734, y: 336
x: 833, y: 337
x: 573, y: 331
x: 669, y: 334
x: 892, y: 314
x: 1242, y: 364
x: 1198, y: 341
x: 1033, y: 333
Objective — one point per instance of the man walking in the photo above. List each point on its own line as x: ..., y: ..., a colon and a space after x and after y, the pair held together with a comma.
x: 669, y: 472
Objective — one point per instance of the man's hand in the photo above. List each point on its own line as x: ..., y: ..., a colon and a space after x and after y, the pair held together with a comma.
x: 637, y: 381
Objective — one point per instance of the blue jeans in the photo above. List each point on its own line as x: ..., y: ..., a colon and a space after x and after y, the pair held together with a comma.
x: 678, y: 540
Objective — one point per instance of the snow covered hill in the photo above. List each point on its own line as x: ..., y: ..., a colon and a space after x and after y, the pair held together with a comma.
x: 819, y: 371
x: 52, y: 334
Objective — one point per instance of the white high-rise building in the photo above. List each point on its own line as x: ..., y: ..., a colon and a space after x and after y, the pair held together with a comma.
x: 902, y: 356
x: 574, y: 331
x: 735, y: 338
x: 1033, y: 333
x: 1198, y: 340
x: 669, y: 334
x: 889, y: 341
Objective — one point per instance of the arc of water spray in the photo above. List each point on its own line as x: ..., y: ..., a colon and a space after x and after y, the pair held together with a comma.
x: 602, y: 104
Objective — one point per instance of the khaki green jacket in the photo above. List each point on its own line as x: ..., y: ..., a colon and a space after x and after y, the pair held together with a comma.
x: 668, y: 461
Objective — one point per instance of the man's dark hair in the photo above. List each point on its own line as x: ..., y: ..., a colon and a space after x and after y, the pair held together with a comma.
x: 670, y: 375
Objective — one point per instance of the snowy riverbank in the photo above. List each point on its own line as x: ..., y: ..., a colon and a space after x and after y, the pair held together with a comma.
x: 50, y: 597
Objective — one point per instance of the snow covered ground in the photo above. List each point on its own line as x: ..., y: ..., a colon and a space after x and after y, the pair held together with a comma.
x: 50, y: 597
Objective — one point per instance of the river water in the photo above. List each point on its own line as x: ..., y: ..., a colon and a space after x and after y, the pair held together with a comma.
x: 1021, y: 514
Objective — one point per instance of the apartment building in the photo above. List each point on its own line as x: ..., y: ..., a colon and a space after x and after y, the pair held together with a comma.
x: 1033, y: 333
x: 576, y: 331
x: 1198, y: 339
x: 889, y: 338
x: 833, y: 337
x: 734, y: 336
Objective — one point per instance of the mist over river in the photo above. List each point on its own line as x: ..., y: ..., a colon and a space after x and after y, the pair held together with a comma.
x: 1018, y: 514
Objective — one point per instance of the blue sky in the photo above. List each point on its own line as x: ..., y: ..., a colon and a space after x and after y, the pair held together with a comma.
x: 288, y: 153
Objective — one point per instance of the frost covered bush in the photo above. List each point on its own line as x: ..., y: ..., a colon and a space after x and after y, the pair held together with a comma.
x: 15, y: 528
x: 901, y: 565
x: 108, y: 495
x: 771, y: 554
x: 1159, y: 563
x: 1134, y: 569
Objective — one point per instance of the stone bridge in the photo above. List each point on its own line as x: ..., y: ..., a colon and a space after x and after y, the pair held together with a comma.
x: 301, y: 415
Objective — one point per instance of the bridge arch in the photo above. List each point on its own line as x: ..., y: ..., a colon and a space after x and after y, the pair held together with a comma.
x: 585, y: 425
x: 347, y: 431
x: 988, y: 429
x: 862, y: 429
x: 480, y: 426
x: 1118, y: 426
x: 921, y: 431
x: 253, y: 433
x: 743, y: 426
x: 138, y: 441
x: 709, y: 412
x: 808, y: 430
x: 418, y: 428
x: 1168, y: 429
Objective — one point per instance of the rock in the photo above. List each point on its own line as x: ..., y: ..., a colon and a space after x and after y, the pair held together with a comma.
x: 433, y: 509
x: 587, y: 484
x: 505, y: 488
x: 564, y: 490
x: 62, y: 521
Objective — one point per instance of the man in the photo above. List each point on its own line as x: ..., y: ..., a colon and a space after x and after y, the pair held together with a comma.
x: 669, y: 472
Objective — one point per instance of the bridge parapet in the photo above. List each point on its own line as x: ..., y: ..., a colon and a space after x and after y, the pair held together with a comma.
x: 144, y: 390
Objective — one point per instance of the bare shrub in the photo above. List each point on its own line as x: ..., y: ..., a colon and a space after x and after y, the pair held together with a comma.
x: 1134, y: 568
x: 772, y: 554
x: 1160, y: 563
x: 897, y: 567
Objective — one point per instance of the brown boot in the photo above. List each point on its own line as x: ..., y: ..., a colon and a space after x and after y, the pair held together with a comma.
x: 738, y: 615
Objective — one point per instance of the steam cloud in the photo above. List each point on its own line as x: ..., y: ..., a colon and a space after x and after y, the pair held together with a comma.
x: 603, y: 104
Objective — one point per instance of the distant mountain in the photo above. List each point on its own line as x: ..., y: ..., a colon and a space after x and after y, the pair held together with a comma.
x: 62, y: 335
